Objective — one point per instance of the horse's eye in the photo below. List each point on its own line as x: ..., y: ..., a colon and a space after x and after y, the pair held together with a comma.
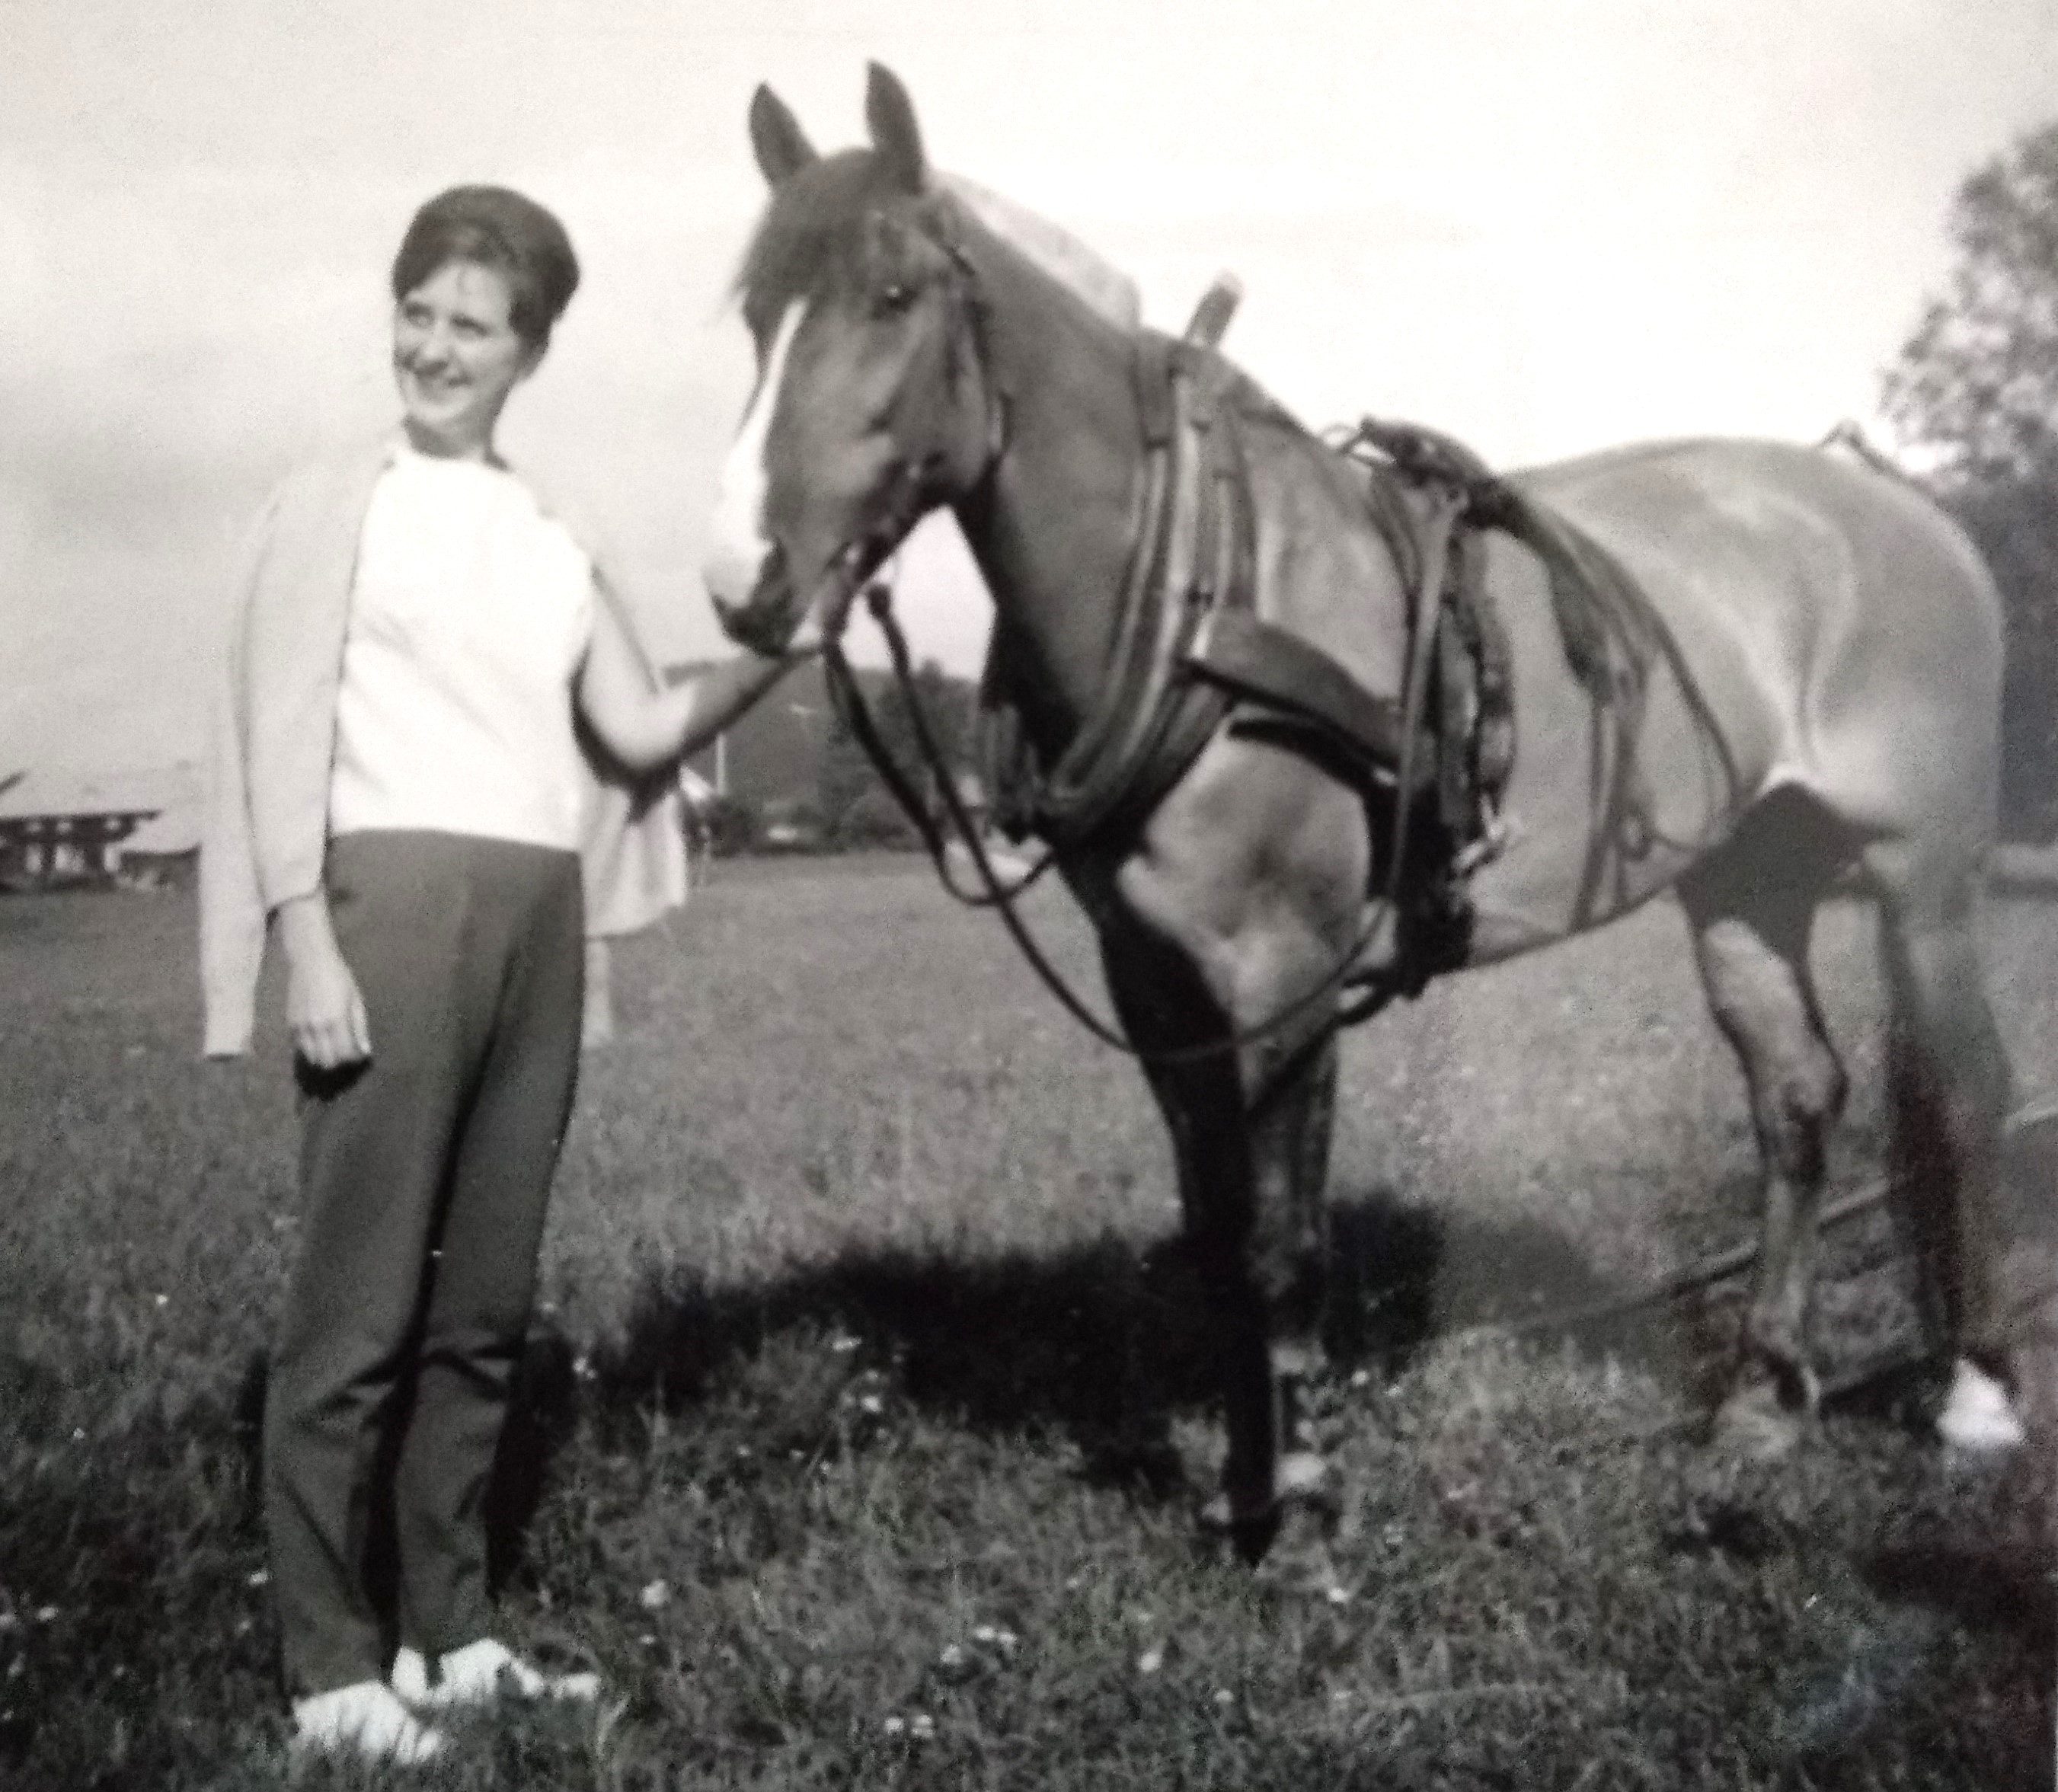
x: 891, y: 298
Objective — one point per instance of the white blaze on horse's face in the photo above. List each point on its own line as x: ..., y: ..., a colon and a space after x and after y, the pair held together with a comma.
x: 740, y: 545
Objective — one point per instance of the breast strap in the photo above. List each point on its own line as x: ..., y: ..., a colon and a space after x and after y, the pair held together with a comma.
x: 1192, y: 558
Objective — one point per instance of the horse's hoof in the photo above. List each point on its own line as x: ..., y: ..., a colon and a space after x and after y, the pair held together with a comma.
x: 1286, y: 1547
x: 1304, y: 1480
x: 1249, y: 1533
x: 1300, y: 1484
x: 1298, y: 1565
x: 1760, y: 1423
x: 1978, y: 1420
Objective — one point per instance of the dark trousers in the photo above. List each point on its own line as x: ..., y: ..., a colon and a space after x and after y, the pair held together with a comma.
x: 425, y: 1175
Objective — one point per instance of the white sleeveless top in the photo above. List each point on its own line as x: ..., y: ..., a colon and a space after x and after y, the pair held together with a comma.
x: 469, y: 612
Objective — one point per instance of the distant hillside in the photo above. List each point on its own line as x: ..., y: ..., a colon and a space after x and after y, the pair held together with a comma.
x: 774, y: 754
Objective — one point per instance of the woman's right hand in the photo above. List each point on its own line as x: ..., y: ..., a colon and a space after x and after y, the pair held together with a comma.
x: 323, y: 1008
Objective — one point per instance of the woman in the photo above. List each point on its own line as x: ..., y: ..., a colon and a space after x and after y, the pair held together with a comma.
x: 434, y: 718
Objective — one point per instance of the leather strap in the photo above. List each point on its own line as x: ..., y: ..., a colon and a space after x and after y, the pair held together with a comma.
x: 1261, y: 662
x: 1192, y: 556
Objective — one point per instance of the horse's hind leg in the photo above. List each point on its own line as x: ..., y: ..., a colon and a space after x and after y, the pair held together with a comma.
x: 1952, y: 1089
x: 1751, y: 908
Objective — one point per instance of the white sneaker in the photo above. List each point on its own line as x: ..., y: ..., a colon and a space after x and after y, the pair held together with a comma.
x: 482, y: 1673
x: 1978, y: 1418
x: 366, y: 1720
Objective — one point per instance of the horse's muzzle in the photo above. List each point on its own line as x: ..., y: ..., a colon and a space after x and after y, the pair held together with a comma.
x: 765, y: 620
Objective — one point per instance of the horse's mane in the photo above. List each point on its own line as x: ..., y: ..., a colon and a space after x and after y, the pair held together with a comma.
x: 1089, y: 275
x: 812, y: 224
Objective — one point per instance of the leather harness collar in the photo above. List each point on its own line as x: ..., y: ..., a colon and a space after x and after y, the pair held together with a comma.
x: 1189, y: 651
x: 1192, y: 557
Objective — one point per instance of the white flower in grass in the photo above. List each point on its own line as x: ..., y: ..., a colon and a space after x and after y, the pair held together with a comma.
x: 163, y: 1300
x: 871, y: 1403
x: 921, y: 1727
x: 995, y: 1636
x: 843, y: 1344
x: 1224, y: 1697
x: 46, y: 1614
x: 953, y: 1657
x: 1150, y: 1660
x: 259, y: 1578
x: 894, y: 1726
x: 656, y: 1596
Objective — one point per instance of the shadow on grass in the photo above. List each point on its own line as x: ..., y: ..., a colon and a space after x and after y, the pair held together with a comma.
x: 1102, y: 1344
x: 1956, y: 1621
x: 1986, y: 1587
x: 1404, y: 1276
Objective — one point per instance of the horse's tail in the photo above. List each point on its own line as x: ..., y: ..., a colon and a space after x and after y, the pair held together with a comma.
x: 1848, y: 438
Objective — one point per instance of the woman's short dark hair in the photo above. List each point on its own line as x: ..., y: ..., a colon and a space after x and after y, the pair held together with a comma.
x: 496, y: 228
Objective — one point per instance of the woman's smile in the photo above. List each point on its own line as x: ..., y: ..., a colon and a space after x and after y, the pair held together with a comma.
x: 456, y: 357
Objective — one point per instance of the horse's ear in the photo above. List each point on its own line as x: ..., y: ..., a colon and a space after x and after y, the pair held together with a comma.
x: 891, y: 115
x: 783, y: 149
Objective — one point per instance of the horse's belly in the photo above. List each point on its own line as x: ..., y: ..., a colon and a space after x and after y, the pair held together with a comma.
x: 1587, y: 835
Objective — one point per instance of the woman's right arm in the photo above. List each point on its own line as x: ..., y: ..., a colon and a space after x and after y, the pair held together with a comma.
x: 323, y: 1007
x: 288, y: 658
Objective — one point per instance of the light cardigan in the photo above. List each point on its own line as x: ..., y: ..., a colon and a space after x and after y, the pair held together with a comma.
x: 265, y: 830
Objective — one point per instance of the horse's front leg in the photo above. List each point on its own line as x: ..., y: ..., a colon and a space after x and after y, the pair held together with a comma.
x: 1250, y: 1127
x: 1276, y: 1271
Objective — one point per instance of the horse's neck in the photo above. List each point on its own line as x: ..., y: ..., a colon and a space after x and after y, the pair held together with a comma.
x: 1051, y: 528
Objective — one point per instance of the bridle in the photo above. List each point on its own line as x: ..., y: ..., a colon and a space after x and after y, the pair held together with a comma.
x: 914, y: 488
x: 911, y: 491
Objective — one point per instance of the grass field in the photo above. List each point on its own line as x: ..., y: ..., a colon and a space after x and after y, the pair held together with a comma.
x: 867, y: 1415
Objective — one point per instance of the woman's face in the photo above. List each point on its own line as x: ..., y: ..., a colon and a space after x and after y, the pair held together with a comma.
x: 456, y: 357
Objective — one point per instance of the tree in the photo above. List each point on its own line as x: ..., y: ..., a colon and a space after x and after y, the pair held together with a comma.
x: 843, y: 774
x: 1975, y: 392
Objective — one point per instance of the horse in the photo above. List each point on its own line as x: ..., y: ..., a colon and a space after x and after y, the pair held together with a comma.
x: 1819, y: 693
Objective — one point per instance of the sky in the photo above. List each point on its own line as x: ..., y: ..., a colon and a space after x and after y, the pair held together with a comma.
x: 1545, y: 228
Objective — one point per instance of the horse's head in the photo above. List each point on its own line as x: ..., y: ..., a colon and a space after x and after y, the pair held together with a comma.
x: 871, y: 405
